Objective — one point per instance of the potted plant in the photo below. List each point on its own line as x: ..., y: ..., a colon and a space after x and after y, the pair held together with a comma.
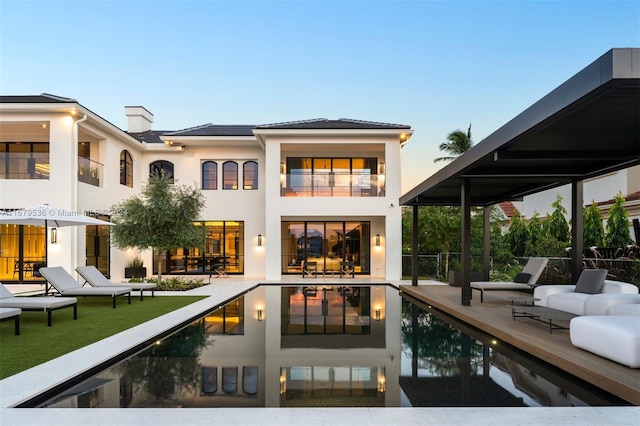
x: 135, y: 269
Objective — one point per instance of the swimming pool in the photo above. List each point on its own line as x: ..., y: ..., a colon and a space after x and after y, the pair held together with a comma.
x: 328, y: 346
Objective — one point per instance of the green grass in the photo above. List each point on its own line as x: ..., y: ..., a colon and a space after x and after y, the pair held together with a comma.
x: 97, y: 320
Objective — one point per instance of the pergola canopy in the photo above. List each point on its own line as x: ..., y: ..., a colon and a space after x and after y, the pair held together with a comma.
x: 588, y: 126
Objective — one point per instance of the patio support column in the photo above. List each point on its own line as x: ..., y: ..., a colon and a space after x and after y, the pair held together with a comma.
x: 577, y: 226
x: 414, y: 246
x: 465, y: 210
x: 486, y: 241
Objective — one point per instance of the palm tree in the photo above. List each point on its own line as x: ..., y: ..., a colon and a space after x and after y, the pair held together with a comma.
x: 457, y: 143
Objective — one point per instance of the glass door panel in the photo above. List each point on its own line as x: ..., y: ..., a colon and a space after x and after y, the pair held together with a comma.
x: 341, y: 171
x: 323, y: 179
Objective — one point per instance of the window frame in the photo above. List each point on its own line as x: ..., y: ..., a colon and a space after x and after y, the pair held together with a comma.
x: 204, y: 173
x: 233, y: 185
x: 126, y: 168
x: 253, y: 183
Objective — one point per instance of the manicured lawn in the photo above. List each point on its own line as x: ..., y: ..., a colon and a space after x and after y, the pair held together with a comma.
x: 38, y: 343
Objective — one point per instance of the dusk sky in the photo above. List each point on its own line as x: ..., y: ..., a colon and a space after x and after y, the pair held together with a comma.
x: 435, y: 65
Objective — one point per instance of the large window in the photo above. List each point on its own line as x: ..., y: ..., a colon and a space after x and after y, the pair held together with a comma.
x: 230, y: 175
x: 209, y: 175
x: 223, y: 251
x: 24, y: 160
x: 161, y: 167
x: 326, y: 243
x: 126, y: 169
x: 250, y: 175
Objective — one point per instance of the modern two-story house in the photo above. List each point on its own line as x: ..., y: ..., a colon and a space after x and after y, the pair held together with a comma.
x: 278, y: 196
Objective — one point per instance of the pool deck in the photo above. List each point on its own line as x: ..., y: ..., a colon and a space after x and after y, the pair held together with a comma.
x: 22, y: 386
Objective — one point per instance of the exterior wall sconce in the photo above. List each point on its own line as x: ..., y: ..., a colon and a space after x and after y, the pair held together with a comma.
x: 381, y: 168
x: 377, y: 240
x: 283, y: 169
x: 259, y: 314
x: 54, y: 236
x: 259, y: 240
x: 377, y: 314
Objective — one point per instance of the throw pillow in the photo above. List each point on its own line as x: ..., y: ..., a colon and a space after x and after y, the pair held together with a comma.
x: 591, y: 281
x: 522, y: 277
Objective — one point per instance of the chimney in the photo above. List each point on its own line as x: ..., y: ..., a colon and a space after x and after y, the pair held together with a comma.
x: 139, y: 119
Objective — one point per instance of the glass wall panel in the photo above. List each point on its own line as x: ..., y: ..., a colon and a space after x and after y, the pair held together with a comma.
x: 327, y: 244
x: 223, y: 250
x: 22, y: 251
x: 24, y: 160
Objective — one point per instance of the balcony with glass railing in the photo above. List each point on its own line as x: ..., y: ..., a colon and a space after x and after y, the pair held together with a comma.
x: 332, y: 185
x: 89, y: 171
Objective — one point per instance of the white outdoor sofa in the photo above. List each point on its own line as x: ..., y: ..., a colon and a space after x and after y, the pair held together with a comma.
x: 609, y: 321
x: 565, y: 298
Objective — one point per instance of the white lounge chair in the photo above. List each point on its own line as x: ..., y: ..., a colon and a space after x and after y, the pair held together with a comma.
x: 94, y: 277
x: 7, y: 314
x: 523, y: 281
x: 66, y: 285
x: 37, y: 303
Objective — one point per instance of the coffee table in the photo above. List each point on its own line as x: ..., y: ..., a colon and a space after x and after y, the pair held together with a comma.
x: 524, y: 300
x: 543, y: 314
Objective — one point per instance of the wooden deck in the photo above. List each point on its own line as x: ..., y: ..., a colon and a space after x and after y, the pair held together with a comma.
x: 494, y: 317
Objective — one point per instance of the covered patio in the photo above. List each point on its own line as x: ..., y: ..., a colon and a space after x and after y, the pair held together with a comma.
x: 587, y: 127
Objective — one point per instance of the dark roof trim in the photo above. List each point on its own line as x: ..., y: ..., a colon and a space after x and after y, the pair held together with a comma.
x: 44, y: 98
x: 341, y: 123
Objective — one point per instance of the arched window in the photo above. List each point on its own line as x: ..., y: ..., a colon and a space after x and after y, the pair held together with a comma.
x: 209, y: 175
x: 250, y: 175
x: 126, y: 169
x: 230, y: 175
x: 161, y: 166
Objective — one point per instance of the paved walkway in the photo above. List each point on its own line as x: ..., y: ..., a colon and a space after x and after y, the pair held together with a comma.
x: 22, y: 386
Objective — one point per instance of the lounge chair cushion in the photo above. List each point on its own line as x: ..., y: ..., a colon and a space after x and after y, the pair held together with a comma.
x: 67, y: 285
x: 9, y: 312
x: 591, y: 281
x: 8, y: 300
x: 522, y: 277
x: 95, y: 278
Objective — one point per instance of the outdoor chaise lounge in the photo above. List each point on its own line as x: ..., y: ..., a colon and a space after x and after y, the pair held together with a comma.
x: 66, y: 285
x: 94, y: 277
x: 37, y: 303
x: 525, y: 280
x: 7, y: 314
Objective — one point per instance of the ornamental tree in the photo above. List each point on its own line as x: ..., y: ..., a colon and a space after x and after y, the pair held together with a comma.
x: 618, y: 234
x: 161, y: 217
x: 593, y: 229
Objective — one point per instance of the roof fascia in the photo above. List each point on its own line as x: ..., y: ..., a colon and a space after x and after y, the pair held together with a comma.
x: 403, y: 135
x: 75, y: 109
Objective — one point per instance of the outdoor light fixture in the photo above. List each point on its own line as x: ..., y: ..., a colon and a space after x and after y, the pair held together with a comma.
x: 54, y: 236
x: 377, y: 240
x: 283, y: 169
x: 381, y: 168
x: 377, y: 314
x: 259, y: 240
x: 259, y: 314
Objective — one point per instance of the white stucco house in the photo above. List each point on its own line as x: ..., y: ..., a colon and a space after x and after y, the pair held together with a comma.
x: 277, y: 195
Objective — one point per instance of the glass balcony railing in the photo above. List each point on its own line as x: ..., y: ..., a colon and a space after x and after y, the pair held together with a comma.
x: 89, y: 171
x: 332, y: 185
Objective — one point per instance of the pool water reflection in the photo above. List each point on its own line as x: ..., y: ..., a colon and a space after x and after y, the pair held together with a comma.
x: 295, y: 346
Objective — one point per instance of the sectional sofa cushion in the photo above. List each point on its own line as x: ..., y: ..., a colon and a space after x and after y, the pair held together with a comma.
x: 614, y: 337
x: 591, y: 281
x: 522, y: 277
